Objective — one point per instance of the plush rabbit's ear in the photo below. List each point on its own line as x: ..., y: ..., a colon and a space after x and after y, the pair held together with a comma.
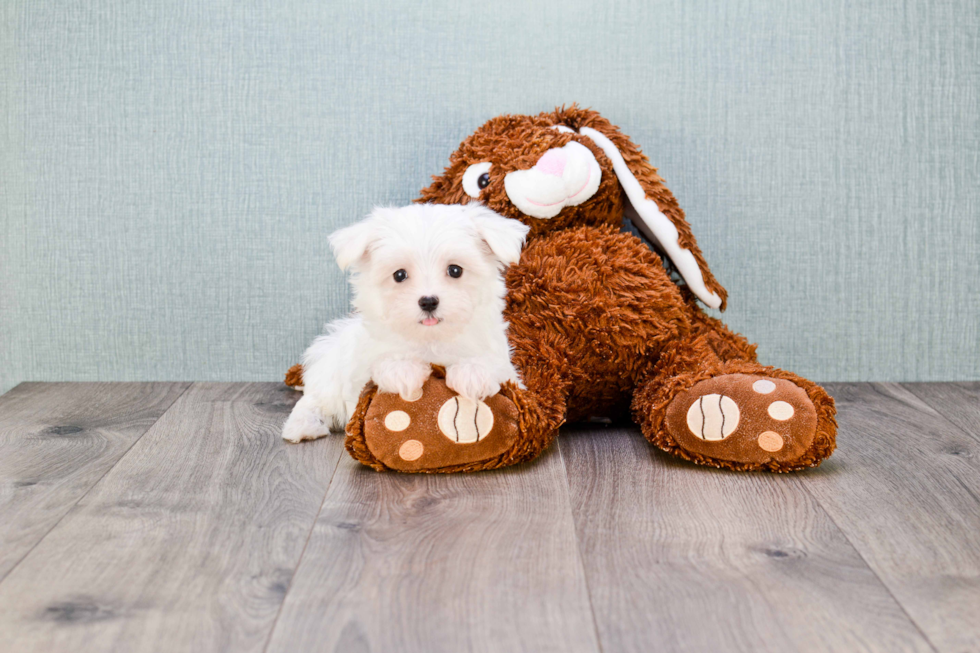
x: 651, y: 205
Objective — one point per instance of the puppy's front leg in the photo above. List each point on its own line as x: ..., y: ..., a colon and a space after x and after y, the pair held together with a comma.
x: 404, y: 376
x: 306, y: 422
x: 473, y: 380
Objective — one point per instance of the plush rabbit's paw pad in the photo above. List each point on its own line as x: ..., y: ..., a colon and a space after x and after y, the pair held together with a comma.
x: 744, y: 418
x: 438, y: 429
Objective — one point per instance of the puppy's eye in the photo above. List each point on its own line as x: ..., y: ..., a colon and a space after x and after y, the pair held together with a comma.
x: 400, y: 275
x: 455, y: 271
x: 476, y: 178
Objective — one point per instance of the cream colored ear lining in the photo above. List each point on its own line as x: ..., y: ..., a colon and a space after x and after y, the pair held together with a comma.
x: 654, y: 224
x: 634, y: 217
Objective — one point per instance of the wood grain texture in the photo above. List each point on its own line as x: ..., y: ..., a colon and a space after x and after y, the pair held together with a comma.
x: 904, y: 487
x: 957, y: 402
x: 189, y: 543
x: 464, y: 562
x: 211, y: 534
x: 682, y: 558
x: 56, y: 442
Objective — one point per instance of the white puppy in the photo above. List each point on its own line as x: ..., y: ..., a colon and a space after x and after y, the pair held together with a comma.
x: 428, y: 288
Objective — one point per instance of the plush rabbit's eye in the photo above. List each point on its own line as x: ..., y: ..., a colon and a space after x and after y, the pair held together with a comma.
x: 455, y: 271
x: 476, y: 178
x: 400, y: 275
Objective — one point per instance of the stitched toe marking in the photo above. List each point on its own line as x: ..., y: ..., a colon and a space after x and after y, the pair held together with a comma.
x: 397, y: 420
x: 411, y: 450
x: 770, y: 441
x: 713, y: 417
x: 463, y: 420
x: 781, y: 410
x: 763, y: 386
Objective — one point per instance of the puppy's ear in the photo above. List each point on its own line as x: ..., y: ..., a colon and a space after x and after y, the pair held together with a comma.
x: 351, y: 244
x: 504, y: 237
x: 651, y: 206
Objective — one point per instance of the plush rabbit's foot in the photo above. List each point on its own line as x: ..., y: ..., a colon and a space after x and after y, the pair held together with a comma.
x: 749, y: 421
x: 436, y: 430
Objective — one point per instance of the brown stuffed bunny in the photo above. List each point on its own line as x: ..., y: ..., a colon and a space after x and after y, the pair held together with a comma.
x: 597, y: 324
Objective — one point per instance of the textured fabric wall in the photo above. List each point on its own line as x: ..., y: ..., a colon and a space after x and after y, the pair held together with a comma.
x: 170, y: 169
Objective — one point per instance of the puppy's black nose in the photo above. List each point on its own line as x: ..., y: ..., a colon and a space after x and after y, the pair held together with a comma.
x: 428, y: 304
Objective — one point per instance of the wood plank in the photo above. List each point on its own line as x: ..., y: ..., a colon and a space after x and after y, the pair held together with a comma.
x: 188, y: 543
x: 905, y: 489
x: 56, y: 441
x: 685, y: 558
x: 463, y: 562
x: 958, y: 402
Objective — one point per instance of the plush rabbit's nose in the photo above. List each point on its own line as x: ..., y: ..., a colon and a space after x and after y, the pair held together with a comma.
x: 563, y: 176
x: 552, y: 163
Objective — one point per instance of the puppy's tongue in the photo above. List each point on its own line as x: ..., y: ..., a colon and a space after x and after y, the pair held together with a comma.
x: 430, y: 321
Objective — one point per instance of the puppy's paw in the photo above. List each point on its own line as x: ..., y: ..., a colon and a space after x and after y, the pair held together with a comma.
x: 471, y: 380
x: 304, y: 423
x: 403, y: 377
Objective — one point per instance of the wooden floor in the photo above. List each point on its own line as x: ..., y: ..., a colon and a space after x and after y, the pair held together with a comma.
x: 171, y: 517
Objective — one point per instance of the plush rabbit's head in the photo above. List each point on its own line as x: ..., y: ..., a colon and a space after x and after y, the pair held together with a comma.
x: 567, y: 168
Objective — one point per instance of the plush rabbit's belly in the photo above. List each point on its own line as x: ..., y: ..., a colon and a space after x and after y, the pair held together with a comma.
x: 600, y: 306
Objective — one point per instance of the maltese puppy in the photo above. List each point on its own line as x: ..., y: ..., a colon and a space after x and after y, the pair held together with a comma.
x: 428, y: 288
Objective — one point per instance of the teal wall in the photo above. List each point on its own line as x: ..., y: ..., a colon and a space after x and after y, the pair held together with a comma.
x: 170, y: 170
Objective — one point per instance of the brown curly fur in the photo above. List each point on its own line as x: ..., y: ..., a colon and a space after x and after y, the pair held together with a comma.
x: 598, y: 326
x: 294, y: 376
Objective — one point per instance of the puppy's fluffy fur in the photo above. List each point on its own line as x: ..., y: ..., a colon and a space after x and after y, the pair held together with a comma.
x: 395, y: 332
